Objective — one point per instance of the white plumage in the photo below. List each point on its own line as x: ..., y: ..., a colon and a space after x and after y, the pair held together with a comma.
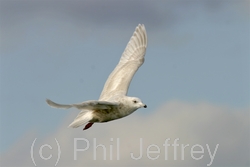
x: 113, y: 102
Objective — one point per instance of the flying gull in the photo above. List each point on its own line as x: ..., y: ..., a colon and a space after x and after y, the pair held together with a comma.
x: 114, y: 102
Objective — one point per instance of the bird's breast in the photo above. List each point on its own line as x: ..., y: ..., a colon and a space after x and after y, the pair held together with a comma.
x: 105, y: 115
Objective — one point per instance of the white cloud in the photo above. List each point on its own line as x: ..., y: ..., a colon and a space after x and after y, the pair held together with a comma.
x: 203, y: 124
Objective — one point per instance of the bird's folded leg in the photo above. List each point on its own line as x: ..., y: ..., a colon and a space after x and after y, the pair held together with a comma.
x: 88, y: 126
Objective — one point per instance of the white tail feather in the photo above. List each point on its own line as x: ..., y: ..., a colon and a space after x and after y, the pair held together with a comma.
x: 82, y: 118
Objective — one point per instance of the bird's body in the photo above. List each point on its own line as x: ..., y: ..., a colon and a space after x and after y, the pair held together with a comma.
x: 113, y: 102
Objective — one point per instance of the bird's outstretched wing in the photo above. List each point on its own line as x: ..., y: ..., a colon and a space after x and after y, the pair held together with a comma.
x: 131, y: 59
x: 88, y: 105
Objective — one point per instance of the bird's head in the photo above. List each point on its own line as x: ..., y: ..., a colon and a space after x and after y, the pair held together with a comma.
x: 137, y: 103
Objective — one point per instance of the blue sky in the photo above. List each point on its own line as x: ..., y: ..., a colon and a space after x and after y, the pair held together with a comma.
x: 198, y: 52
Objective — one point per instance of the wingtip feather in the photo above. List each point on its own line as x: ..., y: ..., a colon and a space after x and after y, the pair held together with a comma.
x: 56, y: 105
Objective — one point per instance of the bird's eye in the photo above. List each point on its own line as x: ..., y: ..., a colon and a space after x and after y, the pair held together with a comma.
x: 134, y: 101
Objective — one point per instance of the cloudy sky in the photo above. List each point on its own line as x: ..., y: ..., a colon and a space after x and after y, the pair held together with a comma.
x: 195, y: 81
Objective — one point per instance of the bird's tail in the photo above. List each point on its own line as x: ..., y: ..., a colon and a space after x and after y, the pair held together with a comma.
x: 82, y: 118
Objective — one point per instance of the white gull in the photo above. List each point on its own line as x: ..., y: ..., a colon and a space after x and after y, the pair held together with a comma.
x: 113, y: 102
